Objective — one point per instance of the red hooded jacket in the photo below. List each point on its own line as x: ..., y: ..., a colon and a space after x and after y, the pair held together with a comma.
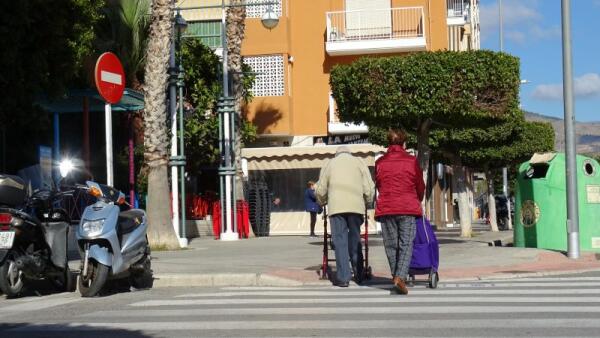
x: 399, y: 182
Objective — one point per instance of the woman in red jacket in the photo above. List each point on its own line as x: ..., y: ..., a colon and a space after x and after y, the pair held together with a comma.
x: 400, y: 187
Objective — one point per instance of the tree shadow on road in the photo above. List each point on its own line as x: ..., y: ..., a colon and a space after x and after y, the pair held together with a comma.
x: 32, y: 330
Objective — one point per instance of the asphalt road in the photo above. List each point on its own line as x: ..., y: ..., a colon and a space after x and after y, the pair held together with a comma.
x: 561, y: 306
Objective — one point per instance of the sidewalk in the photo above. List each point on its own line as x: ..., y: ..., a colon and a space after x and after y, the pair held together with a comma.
x: 295, y: 260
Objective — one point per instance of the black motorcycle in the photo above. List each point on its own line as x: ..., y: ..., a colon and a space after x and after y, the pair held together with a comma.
x: 33, y: 237
x: 502, y: 212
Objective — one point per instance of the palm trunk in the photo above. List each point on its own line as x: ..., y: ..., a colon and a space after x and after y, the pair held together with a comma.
x: 236, y: 16
x: 156, y: 141
x: 491, y: 201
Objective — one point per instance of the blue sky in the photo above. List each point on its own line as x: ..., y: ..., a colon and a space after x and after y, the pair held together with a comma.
x: 532, y: 32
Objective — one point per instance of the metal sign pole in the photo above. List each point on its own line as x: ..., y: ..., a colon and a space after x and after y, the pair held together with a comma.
x: 109, y: 148
x: 570, y: 146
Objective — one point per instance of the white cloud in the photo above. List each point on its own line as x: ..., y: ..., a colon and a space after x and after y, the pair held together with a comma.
x: 516, y: 36
x: 521, y: 21
x: 513, y: 12
x: 585, y: 86
x: 546, y: 33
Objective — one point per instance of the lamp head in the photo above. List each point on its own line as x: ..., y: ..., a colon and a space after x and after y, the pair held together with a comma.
x: 270, y: 19
x: 180, y: 23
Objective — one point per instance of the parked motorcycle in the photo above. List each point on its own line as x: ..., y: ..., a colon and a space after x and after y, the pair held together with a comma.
x: 502, y: 212
x: 112, y: 242
x: 33, y: 237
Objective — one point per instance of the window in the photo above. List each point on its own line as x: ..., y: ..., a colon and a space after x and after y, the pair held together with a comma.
x: 258, y: 10
x: 269, y: 74
x: 209, y: 32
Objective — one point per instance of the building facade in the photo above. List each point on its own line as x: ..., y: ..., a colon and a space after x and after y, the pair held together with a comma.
x: 292, y: 104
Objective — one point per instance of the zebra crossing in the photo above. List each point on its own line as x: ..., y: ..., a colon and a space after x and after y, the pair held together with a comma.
x: 538, y: 307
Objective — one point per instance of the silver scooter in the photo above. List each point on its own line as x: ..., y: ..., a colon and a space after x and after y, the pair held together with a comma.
x: 112, y: 243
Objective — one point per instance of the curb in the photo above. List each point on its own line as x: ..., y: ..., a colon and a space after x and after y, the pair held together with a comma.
x: 228, y: 279
x: 261, y: 279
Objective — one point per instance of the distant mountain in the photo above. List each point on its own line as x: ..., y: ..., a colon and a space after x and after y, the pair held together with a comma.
x: 588, y: 133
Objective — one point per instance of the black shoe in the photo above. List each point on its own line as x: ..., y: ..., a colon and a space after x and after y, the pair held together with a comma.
x: 358, y: 279
x: 342, y: 284
x: 358, y: 275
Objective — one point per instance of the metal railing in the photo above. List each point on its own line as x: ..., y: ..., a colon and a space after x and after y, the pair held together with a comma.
x: 458, y: 8
x: 377, y: 24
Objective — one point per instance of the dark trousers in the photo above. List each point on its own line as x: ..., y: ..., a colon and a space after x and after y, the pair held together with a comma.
x: 398, y: 236
x: 345, y: 234
x: 313, y: 221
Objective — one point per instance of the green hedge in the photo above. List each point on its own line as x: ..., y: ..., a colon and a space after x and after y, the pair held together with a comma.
x: 452, y: 88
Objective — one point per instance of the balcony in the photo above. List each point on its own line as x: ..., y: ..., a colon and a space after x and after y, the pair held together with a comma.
x: 458, y: 12
x: 375, y: 31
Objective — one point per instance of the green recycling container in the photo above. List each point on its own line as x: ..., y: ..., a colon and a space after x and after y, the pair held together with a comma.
x: 541, y: 203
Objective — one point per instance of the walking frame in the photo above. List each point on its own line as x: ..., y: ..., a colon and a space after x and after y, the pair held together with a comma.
x: 325, y: 270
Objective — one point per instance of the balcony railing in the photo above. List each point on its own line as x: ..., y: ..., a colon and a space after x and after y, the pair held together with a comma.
x: 458, y: 11
x: 457, y: 8
x: 395, y: 29
x: 395, y: 23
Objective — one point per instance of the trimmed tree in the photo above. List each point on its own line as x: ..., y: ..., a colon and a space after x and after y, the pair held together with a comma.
x: 431, y: 91
x: 425, y: 90
x: 506, y: 144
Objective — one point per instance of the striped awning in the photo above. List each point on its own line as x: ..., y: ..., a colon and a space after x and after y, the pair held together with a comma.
x: 281, y: 158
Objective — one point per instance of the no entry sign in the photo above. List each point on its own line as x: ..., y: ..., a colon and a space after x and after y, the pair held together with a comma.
x: 110, y: 77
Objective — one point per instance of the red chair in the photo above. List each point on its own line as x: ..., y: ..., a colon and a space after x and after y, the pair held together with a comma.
x: 216, y: 219
x: 243, y: 219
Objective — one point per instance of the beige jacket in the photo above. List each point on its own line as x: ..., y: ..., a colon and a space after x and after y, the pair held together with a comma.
x: 345, y: 185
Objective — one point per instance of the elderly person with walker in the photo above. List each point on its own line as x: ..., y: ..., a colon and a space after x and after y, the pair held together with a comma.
x: 345, y: 185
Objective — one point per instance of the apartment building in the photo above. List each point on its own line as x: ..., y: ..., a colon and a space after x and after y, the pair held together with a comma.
x: 293, y: 107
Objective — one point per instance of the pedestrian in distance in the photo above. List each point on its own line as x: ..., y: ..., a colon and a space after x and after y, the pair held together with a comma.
x: 346, y: 186
x: 400, y: 187
x: 311, y: 206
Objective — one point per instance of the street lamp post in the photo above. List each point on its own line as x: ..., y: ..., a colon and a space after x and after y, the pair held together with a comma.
x: 500, y: 19
x: 177, y: 160
x: 570, y: 146
x: 227, y: 119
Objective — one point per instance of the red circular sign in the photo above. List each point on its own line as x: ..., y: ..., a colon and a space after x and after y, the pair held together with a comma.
x: 110, y: 77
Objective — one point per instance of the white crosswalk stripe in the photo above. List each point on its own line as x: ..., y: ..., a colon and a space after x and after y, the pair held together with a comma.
x: 37, y: 303
x: 528, y: 307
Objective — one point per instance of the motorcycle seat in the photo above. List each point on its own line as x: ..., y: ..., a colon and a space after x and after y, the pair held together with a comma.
x: 129, y: 220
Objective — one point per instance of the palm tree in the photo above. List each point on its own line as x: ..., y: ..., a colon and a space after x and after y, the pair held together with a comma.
x: 125, y: 32
x: 236, y: 16
x: 156, y: 140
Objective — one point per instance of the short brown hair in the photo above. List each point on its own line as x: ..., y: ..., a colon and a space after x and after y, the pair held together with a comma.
x: 310, y: 183
x: 396, y: 137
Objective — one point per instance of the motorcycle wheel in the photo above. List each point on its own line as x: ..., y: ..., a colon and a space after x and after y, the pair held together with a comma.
x: 65, y: 282
x: 143, y: 279
x: 91, y: 284
x: 11, y: 278
x: 503, y: 223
